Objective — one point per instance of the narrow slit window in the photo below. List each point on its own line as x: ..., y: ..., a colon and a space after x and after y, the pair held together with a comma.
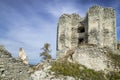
x: 81, y: 30
x: 80, y: 40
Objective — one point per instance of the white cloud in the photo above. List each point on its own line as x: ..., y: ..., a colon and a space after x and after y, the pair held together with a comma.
x: 29, y: 32
x: 58, y: 9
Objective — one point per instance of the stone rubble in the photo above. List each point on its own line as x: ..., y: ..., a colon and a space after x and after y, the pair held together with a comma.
x: 45, y: 74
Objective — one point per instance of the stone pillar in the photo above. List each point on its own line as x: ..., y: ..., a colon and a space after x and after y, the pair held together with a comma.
x: 23, y: 56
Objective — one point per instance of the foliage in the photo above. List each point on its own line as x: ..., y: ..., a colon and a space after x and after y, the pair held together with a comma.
x: 76, y: 70
x: 113, y: 75
x: 46, y: 50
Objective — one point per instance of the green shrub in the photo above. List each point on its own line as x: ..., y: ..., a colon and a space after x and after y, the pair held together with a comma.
x: 76, y: 70
x: 46, y: 51
x: 79, y: 71
x: 113, y: 75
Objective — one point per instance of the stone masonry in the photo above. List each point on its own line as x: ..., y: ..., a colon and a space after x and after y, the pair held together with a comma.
x: 98, y: 27
x: 101, y: 27
x: 11, y: 68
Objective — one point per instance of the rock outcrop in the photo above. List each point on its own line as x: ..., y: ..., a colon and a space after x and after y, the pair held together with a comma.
x: 44, y: 73
x: 12, y: 69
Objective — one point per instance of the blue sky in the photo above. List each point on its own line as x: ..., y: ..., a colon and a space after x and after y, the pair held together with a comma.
x: 31, y: 23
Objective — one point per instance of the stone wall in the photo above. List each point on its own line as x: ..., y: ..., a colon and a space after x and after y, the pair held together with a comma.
x: 101, y: 27
x: 12, y: 69
x: 67, y: 36
x: 95, y: 28
x: 92, y: 57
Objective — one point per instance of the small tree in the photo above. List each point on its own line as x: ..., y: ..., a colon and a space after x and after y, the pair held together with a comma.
x: 46, y: 50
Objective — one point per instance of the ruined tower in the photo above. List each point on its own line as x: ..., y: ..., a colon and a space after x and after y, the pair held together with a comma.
x: 98, y: 27
x: 101, y: 26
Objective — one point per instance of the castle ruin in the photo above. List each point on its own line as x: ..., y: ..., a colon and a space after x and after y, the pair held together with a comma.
x: 97, y: 28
